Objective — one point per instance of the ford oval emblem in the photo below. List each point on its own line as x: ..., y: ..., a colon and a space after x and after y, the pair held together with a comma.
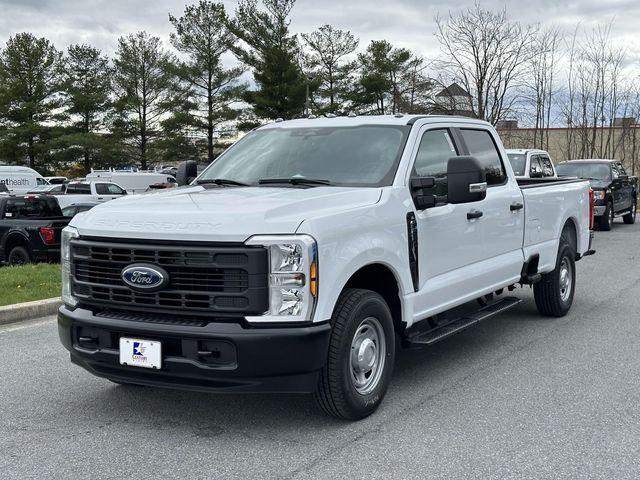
x: 141, y: 276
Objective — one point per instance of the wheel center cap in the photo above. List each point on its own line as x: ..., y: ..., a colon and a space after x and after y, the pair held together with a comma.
x: 366, y: 355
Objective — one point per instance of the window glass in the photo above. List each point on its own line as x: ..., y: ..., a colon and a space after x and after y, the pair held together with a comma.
x: 79, y: 189
x: 32, y: 208
x: 41, y: 181
x: 114, y: 189
x: 366, y: 155
x: 621, y: 169
x: 108, y: 189
x: 481, y: 145
x: 535, y: 169
x: 547, y: 166
x: 518, y: 163
x: 434, y: 152
x: 588, y: 171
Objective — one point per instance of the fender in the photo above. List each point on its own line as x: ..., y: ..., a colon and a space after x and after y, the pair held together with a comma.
x: 12, y: 234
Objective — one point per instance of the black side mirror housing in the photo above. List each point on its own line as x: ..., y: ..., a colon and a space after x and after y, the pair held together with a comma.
x: 187, y: 172
x: 466, y: 180
x: 420, y: 199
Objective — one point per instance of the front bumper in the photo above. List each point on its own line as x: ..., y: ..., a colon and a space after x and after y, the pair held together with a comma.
x: 221, y: 357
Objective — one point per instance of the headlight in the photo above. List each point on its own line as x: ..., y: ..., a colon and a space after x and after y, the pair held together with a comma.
x: 598, y: 194
x: 68, y: 234
x: 293, y: 277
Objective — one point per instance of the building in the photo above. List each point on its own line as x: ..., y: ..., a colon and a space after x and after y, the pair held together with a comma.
x: 454, y: 100
x: 621, y: 141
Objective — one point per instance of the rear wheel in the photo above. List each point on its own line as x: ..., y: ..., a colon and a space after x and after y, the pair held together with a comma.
x: 361, y: 354
x: 19, y: 256
x: 630, y: 218
x: 606, y: 220
x: 554, y: 292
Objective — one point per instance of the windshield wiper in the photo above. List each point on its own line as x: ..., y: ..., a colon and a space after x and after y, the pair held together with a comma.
x: 221, y: 181
x: 294, y: 181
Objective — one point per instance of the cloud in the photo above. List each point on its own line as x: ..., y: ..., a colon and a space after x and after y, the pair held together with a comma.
x: 407, y: 23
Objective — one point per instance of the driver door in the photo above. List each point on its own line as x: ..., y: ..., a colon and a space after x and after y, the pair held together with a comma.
x: 449, y: 243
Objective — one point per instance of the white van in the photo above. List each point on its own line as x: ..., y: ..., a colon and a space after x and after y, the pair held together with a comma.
x: 19, y: 180
x: 132, y: 182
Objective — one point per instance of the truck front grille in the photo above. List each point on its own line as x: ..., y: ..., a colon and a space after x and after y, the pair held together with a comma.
x: 206, y: 279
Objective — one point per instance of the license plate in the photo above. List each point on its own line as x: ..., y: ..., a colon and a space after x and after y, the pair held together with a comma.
x: 135, y: 352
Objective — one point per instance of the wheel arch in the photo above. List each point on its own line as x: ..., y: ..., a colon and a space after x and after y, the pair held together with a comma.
x: 14, y: 239
x: 380, y: 278
x: 570, y: 232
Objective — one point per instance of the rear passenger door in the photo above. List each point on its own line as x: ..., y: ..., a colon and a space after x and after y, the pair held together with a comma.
x: 502, y: 209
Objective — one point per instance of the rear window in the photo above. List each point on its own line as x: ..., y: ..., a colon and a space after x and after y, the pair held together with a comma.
x: 79, y: 189
x: 518, y: 163
x: 481, y: 145
x: 32, y: 208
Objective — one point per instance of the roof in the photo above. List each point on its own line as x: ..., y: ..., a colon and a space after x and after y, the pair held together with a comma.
x: 524, y: 151
x: 453, y: 90
x: 592, y: 160
x: 358, y: 120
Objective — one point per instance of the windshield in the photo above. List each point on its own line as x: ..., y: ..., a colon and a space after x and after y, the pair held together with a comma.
x: 590, y: 171
x: 518, y: 163
x: 351, y: 156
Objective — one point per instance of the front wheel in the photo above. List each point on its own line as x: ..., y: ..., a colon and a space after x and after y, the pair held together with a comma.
x: 630, y: 218
x: 361, y: 354
x: 554, y: 292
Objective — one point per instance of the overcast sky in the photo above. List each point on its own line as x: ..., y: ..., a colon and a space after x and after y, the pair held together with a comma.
x: 407, y: 23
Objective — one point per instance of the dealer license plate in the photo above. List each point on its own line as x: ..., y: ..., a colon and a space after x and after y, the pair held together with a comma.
x: 135, y: 352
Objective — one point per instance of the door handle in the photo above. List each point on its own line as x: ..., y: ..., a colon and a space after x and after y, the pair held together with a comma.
x: 516, y: 206
x: 474, y: 214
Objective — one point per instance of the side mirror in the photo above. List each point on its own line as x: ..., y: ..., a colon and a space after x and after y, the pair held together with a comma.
x: 187, y: 171
x: 466, y: 180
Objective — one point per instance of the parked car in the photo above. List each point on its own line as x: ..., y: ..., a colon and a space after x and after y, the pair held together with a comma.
x: 298, y: 257
x: 531, y: 163
x: 30, y: 229
x: 76, y: 208
x: 98, y: 192
x: 615, y: 192
x: 19, y: 180
x: 132, y: 182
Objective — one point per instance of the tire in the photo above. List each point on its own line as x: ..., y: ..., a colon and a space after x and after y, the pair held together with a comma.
x: 605, y: 221
x: 554, y: 292
x: 630, y: 218
x: 19, y: 256
x: 352, y: 387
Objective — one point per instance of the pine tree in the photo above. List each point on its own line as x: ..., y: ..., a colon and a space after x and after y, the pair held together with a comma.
x: 328, y: 48
x: 29, y: 98
x: 147, y: 91
x: 202, y: 35
x: 273, y: 54
x: 87, y: 85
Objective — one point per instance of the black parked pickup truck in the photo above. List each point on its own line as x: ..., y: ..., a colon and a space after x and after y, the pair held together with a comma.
x: 615, y: 192
x: 30, y: 229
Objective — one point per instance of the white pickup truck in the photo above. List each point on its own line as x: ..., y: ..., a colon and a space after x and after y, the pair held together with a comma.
x: 82, y: 192
x: 307, y: 253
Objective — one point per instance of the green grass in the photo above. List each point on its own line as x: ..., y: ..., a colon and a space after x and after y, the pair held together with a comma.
x: 29, y: 282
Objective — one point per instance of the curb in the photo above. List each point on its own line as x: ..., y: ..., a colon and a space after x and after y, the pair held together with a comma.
x: 29, y: 310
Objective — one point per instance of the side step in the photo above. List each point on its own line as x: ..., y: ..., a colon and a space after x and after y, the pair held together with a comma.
x: 455, y: 326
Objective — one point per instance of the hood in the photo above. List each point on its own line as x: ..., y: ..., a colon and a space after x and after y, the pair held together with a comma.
x: 599, y: 184
x: 228, y: 214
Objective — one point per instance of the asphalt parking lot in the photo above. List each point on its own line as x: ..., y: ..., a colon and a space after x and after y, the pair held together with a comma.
x: 519, y: 396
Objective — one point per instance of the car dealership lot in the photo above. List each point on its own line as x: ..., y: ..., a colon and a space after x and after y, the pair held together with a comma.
x: 519, y: 396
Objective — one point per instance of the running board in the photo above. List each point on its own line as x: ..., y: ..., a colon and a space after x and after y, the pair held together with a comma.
x: 460, y: 324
